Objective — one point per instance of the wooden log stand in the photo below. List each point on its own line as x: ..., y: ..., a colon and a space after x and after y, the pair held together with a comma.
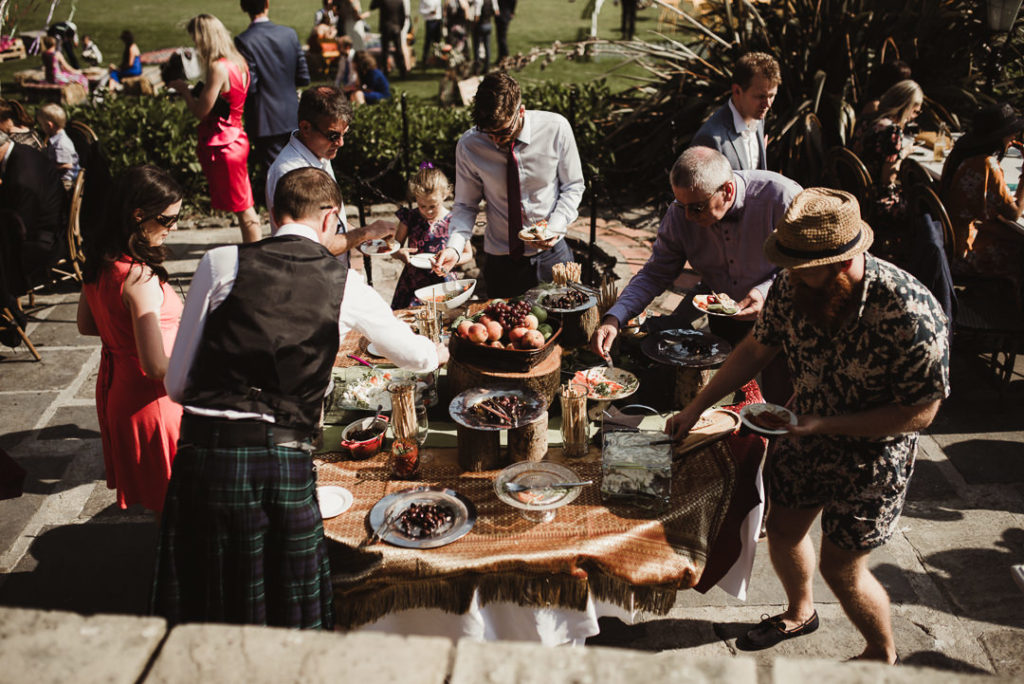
x: 577, y: 327
x: 689, y: 381
x: 479, y: 449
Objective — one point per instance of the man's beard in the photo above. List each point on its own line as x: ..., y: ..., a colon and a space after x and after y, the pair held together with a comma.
x: 826, y: 306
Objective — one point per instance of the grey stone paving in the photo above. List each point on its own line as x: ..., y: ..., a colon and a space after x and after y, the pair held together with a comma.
x: 65, y: 545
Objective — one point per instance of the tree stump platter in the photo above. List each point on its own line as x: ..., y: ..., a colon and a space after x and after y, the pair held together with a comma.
x: 578, y: 326
x: 529, y: 442
x: 543, y: 379
x: 479, y: 450
x: 688, y: 382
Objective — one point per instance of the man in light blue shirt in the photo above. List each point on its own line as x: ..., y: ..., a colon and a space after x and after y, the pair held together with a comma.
x: 718, y: 223
x: 532, y: 153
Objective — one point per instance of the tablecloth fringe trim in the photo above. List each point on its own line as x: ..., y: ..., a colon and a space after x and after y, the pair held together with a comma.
x: 454, y: 594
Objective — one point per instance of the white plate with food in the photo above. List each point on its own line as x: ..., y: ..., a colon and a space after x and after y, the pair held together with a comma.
x: 379, y: 247
x: 537, y: 233
x: 424, y: 261
x: 767, y: 419
x: 607, y: 384
x: 333, y: 500
x: 717, y: 304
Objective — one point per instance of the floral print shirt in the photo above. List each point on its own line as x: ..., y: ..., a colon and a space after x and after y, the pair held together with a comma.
x: 893, y: 350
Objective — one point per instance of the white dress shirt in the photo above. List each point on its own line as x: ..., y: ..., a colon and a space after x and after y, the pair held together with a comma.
x: 295, y: 155
x: 430, y: 10
x: 748, y: 136
x: 362, y: 310
x: 550, y: 181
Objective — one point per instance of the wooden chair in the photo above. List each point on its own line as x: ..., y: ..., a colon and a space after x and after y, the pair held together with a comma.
x: 71, y: 265
x: 847, y: 172
x: 913, y: 174
x: 923, y: 199
x: 12, y: 318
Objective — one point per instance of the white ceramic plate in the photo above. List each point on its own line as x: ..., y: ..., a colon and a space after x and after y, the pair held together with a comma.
x: 373, y: 350
x: 701, y: 302
x: 751, y: 410
x: 424, y: 261
x: 457, y: 291
x: 379, y: 247
x: 333, y: 500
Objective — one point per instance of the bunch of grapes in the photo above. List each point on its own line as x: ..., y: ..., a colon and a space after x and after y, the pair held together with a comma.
x: 509, y: 315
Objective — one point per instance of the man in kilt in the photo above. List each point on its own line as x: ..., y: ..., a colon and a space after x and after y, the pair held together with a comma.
x: 241, y: 538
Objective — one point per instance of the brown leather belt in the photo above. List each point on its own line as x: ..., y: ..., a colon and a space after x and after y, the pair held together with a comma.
x: 217, y: 432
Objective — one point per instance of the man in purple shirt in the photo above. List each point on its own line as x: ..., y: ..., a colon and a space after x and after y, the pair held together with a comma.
x: 718, y: 223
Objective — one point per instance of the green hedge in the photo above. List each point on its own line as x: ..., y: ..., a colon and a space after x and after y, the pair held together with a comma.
x: 149, y: 130
x: 161, y: 131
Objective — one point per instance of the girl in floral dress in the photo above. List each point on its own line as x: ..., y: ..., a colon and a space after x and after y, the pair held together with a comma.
x: 425, y: 229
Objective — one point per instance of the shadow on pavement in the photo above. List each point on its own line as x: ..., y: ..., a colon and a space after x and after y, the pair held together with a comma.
x: 89, y: 568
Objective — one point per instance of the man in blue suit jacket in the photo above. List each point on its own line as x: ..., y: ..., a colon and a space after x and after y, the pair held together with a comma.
x: 277, y: 67
x: 737, y: 128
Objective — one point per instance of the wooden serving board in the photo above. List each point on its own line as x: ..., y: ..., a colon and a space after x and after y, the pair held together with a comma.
x: 714, y: 424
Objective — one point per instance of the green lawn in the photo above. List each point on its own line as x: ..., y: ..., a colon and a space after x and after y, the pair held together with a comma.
x: 160, y: 24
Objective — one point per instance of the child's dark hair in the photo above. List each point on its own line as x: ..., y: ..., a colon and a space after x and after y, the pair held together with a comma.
x: 147, y: 189
x: 427, y: 181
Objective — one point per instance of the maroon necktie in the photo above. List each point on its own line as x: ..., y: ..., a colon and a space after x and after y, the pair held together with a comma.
x: 515, y: 208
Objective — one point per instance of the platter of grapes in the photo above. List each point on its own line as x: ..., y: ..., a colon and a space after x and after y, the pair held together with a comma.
x: 423, y: 517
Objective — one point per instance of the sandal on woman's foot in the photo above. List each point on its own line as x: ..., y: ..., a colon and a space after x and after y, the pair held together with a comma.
x: 772, y: 630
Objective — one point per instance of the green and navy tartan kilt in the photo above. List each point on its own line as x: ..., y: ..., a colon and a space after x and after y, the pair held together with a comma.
x: 242, y: 540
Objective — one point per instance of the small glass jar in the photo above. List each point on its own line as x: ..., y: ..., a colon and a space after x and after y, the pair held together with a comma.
x: 405, y: 459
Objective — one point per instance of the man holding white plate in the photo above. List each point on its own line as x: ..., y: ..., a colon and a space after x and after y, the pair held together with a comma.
x: 718, y: 223
x: 530, y: 158
x: 868, y: 349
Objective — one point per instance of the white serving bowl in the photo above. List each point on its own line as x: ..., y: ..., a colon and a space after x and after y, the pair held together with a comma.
x: 427, y: 293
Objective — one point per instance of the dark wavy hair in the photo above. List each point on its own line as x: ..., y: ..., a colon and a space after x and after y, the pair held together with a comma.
x: 147, y: 189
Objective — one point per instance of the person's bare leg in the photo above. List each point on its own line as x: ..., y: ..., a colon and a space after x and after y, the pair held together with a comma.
x: 249, y: 223
x: 792, y: 554
x: 862, y: 597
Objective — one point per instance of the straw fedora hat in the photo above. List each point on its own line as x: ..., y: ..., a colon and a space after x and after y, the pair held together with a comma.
x: 821, y: 226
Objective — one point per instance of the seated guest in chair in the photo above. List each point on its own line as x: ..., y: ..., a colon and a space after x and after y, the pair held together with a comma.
x: 981, y: 206
x: 867, y: 346
x: 242, y: 539
x: 737, y: 128
x: 131, y: 62
x: 30, y: 186
x: 718, y: 223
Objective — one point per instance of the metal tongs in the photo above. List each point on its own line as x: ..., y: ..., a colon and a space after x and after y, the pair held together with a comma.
x: 383, y: 528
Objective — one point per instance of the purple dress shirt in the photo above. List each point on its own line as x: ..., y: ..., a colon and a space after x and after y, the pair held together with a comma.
x: 729, y: 255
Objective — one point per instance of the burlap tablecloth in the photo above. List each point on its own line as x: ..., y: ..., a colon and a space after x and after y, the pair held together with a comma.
x: 621, y: 554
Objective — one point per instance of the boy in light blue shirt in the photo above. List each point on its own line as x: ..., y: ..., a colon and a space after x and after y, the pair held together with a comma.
x: 52, y: 118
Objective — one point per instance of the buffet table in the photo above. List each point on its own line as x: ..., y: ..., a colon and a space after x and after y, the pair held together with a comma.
x: 510, y: 578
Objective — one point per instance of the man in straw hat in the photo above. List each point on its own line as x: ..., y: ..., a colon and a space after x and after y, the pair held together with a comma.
x: 868, y: 351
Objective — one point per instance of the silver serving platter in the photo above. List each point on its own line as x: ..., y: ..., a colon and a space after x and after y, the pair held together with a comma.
x: 540, y: 297
x: 463, y: 509
x: 460, y: 408
x: 673, y: 347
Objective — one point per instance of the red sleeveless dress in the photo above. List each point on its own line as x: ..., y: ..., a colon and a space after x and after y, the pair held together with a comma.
x: 223, y: 148
x: 139, y: 424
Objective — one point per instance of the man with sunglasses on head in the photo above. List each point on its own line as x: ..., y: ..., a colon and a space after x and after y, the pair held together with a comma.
x: 324, y: 118
x: 528, y: 157
x: 718, y: 222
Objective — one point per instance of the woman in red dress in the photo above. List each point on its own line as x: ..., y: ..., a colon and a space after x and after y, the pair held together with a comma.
x: 223, y: 147
x: 127, y: 302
